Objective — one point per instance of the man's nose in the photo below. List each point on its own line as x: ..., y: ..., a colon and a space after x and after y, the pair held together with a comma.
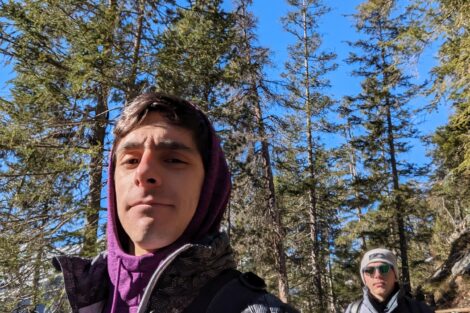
x: 377, y: 273
x: 147, y: 174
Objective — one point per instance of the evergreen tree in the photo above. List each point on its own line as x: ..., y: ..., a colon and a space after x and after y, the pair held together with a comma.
x: 448, y: 21
x: 383, y: 109
x: 293, y: 199
x: 305, y: 80
x: 73, y: 62
x: 254, y: 193
x: 195, y: 49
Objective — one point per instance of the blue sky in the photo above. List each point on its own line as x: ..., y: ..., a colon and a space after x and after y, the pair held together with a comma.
x: 336, y: 28
x: 6, y: 73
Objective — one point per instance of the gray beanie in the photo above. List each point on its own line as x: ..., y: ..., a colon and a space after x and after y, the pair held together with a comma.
x: 379, y: 255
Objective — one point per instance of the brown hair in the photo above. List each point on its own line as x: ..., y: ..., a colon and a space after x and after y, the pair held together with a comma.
x: 178, y: 112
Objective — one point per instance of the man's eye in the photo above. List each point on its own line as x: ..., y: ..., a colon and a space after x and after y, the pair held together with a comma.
x: 131, y: 161
x: 174, y: 161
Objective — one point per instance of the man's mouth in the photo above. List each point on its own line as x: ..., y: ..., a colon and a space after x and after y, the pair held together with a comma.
x: 150, y: 202
x: 151, y: 205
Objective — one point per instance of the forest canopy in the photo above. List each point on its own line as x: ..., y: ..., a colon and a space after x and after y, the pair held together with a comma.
x: 317, y: 179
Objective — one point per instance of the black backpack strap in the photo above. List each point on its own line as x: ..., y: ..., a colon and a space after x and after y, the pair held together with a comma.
x: 416, y: 306
x: 230, y: 291
x: 238, y: 294
x: 208, y: 292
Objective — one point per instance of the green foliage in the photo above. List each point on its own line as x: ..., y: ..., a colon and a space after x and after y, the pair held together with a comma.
x: 76, y: 60
x: 68, y: 64
x: 447, y: 22
x: 451, y: 78
x: 303, y: 161
x: 379, y: 127
x: 194, y: 52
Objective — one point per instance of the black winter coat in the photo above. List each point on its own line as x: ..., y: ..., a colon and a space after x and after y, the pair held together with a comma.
x: 398, y: 303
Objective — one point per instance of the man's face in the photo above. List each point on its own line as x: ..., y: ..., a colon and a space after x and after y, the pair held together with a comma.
x: 380, y: 285
x: 158, y: 179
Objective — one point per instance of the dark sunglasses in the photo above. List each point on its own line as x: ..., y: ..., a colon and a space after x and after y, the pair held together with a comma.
x: 383, y: 269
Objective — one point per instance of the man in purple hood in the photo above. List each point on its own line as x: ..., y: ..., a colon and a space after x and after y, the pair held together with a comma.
x: 169, y: 186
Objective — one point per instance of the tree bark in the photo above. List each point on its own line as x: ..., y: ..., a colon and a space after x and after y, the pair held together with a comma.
x: 271, y: 203
x: 397, y: 199
x: 98, y: 131
x: 273, y: 210
x: 398, y: 204
x: 332, y: 295
x: 314, y: 224
x: 353, y: 172
x: 132, y: 90
x: 97, y: 141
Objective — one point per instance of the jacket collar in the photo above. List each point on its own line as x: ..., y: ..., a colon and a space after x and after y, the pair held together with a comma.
x: 87, y: 281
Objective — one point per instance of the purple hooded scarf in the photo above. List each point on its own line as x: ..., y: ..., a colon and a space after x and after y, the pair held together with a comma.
x: 129, y: 274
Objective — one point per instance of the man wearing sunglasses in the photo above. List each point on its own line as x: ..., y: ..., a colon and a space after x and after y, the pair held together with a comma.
x: 382, y: 292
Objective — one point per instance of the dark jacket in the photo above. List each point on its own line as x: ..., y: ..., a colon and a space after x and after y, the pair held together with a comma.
x: 173, y: 286
x: 397, y: 303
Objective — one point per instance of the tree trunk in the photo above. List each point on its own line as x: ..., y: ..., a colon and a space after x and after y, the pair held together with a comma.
x: 38, y: 262
x: 398, y: 204
x: 332, y: 295
x: 96, y: 173
x: 314, y: 224
x: 273, y: 210
x: 277, y: 243
x: 132, y: 88
x: 97, y: 138
x: 353, y: 172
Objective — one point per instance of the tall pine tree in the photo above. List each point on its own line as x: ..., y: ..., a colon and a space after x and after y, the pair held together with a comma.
x: 385, y: 113
x: 249, y: 98
x: 305, y: 84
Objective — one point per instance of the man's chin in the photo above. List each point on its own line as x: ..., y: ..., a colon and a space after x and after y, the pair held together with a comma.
x: 155, y: 244
x: 380, y: 293
x: 141, y: 249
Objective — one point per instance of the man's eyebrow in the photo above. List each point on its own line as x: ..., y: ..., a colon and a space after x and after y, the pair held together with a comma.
x: 172, y: 145
x: 162, y: 145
